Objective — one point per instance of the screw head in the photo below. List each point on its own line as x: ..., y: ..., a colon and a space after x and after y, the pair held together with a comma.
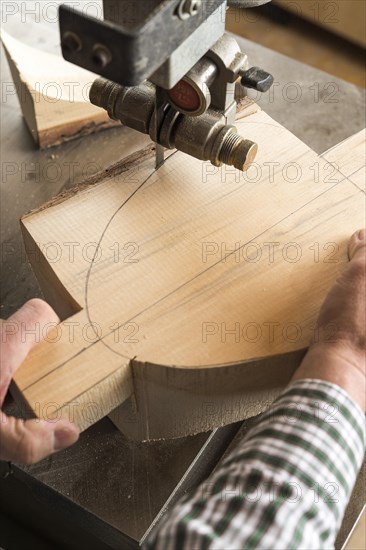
x: 188, y: 8
x: 71, y: 42
x: 101, y: 55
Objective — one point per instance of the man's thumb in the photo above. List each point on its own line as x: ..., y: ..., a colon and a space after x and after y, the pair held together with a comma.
x: 357, y: 245
x: 27, y: 442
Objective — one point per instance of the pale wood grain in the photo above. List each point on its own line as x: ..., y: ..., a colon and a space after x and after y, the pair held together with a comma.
x: 53, y: 95
x: 200, y: 250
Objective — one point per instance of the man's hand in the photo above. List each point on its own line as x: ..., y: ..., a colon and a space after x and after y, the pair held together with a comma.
x: 28, y: 441
x: 342, y: 361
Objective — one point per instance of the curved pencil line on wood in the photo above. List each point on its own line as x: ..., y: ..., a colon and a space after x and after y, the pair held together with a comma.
x: 99, y: 339
x: 87, y: 280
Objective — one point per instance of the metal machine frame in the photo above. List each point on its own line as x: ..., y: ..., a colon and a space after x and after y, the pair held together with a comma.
x: 168, y: 70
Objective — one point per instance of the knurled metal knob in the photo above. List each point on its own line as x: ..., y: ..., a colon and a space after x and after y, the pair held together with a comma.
x: 232, y: 149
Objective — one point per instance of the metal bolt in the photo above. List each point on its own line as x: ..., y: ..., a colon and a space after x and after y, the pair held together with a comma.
x: 71, y: 42
x: 188, y: 8
x: 232, y: 149
x: 204, y: 137
x: 244, y: 154
x: 104, y: 93
x: 101, y: 55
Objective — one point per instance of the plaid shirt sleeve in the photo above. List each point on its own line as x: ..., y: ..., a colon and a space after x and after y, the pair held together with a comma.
x: 285, y: 486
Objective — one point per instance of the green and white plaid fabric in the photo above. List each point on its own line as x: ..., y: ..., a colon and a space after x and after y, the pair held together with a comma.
x: 285, y: 486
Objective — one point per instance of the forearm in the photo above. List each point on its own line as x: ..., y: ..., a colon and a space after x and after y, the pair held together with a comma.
x: 285, y: 486
x: 338, y: 365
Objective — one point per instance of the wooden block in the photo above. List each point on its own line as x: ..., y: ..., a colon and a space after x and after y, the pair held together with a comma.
x: 189, y: 294
x: 53, y: 95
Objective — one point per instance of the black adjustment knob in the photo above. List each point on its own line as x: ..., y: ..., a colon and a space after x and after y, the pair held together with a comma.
x: 257, y: 78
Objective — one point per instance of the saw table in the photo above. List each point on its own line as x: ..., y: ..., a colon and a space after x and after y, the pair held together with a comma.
x: 107, y: 492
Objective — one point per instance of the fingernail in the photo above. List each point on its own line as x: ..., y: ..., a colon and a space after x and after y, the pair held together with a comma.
x: 64, y: 437
x: 362, y: 234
